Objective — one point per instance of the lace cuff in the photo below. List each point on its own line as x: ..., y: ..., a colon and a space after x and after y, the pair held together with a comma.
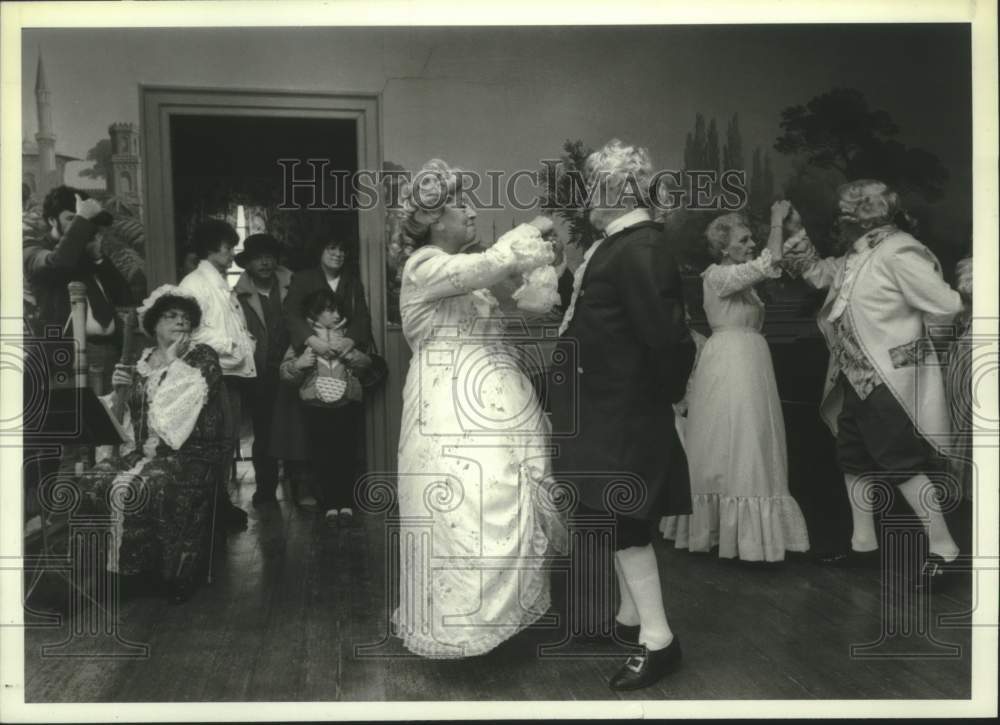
x: 176, y: 403
x: 732, y: 278
x: 766, y: 265
x: 540, y: 291
x: 521, y: 249
x: 803, y: 259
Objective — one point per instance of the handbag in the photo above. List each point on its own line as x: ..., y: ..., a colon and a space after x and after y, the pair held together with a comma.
x: 330, y: 385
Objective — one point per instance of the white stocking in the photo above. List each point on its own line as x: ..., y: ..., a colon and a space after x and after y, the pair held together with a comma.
x: 939, y: 538
x: 642, y: 577
x: 627, y: 613
x: 863, y: 537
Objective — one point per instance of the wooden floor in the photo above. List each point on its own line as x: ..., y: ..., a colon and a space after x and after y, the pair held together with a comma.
x: 293, y: 600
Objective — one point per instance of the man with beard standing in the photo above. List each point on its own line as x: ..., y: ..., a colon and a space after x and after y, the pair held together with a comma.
x: 68, y: 250
x: 634, y: 353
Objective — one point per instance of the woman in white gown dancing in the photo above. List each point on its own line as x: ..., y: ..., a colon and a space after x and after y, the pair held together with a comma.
x: 735, y: 435
x: 472, y: 455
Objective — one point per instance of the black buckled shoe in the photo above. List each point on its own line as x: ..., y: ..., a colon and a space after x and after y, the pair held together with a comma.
x: 647, y: 668
x: 938, y: 574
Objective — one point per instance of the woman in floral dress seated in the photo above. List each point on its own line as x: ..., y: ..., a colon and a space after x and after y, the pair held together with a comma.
x: 735, y: 436
x: 472, y: 454
x: 159, y: 488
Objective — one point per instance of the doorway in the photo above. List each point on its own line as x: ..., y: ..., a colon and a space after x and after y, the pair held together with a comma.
x: 228, y: 167
x: 213, y: 152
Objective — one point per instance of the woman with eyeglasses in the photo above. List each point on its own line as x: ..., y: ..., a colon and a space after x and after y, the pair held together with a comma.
x: 158, y: 489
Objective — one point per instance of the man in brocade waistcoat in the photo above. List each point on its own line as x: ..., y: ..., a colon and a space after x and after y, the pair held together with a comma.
x: 884, y: 396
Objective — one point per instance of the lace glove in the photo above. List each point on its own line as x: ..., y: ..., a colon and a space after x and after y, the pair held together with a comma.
x: 540, y: 292
x: 522, y: 249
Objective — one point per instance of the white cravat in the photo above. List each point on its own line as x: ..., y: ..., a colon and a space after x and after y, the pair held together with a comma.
x: 863, y: 247
x: 636, y: 216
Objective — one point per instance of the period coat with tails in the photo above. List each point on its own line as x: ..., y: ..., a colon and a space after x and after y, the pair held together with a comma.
x: 627, y: 357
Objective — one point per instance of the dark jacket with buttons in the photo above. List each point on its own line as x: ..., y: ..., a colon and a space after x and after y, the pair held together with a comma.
x: 627, y: 358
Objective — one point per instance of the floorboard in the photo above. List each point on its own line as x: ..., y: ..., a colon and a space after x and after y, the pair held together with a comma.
x: 299, y: 611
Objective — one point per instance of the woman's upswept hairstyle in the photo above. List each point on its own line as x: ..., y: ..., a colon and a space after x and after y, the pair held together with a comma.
x: 421, y: 203
x: 620, y: 169
x: 719, y: 231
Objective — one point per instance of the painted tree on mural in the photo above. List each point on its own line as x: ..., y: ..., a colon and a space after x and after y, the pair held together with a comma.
x: 100, y: 154
x: 761, y: 184
x: 836, y: 137
x: 686, y: 227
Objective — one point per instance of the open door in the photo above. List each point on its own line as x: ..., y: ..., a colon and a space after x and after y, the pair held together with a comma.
x: 212, y: 152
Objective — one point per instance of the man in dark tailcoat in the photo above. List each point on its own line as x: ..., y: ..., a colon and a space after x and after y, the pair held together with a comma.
x: 617, y: 443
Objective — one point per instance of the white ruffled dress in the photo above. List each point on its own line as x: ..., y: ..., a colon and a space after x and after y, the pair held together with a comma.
x: 472, y: 456
x: 735, y: 432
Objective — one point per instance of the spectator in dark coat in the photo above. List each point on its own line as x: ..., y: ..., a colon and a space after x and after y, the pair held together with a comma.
x: 335, y: 271
x: 261, y: 290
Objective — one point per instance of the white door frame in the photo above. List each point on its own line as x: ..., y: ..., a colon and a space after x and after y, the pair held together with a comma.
x: 160, y: 103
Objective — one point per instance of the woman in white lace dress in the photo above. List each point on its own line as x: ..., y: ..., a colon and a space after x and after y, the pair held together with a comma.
x: 735, y: 437
x: 472, y: 453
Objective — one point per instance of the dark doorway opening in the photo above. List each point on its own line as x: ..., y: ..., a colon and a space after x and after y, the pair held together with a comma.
x: 228, y: 167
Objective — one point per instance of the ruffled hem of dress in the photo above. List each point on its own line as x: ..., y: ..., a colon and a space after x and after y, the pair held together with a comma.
x: 431, y: 648
x: 753, y: 528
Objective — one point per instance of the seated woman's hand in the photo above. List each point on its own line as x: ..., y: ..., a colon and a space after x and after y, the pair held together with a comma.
x: 178, y: 348
x: 306, y: 360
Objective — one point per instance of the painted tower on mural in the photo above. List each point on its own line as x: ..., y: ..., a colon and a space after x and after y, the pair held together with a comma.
x: 42, y: 167
x: 45, y: 137
x: 124, y: 174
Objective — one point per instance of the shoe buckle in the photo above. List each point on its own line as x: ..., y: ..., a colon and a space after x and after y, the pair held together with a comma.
x: 932, y: 569
x: 635, y: 663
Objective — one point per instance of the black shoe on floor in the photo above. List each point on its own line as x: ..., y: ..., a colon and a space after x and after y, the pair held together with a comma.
x: 647, y: 668
x: 852, y: 559
x: 937, y: 574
